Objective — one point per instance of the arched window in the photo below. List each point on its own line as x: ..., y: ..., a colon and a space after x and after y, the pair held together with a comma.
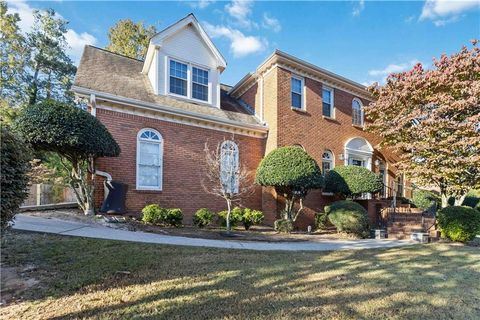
x: 149, y: 160
x: 357, y: 112
x: 229, y: 165
x: 327, y: 161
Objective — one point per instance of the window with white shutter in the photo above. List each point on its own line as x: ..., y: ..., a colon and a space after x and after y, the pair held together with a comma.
x: 149, y: 160
x: 229, y: 166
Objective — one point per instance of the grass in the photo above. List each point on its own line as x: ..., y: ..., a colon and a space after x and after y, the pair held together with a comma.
x: 87, y: 278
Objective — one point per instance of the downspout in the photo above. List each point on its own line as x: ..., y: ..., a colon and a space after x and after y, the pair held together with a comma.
x: 93, y: 112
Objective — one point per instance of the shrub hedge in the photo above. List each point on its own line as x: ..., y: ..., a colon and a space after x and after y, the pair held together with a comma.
x: 155, y: 214
x: 348, y: 216
x: 321, y: 221
x: 283, y: 225
x: 235, y: 217
x: 459, y: 223
x: 15, y: 166
x: 251, y: 217
x: 203, y: 217
x: 352, y: 181
x: 425, y: 199
x: 472, y: 199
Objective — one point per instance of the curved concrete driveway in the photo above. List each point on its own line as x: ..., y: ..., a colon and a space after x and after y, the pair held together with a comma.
x: 78, y: 229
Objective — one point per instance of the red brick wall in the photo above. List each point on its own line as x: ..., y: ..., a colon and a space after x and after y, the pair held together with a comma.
x: 313, y: 131
x: 183, y: 159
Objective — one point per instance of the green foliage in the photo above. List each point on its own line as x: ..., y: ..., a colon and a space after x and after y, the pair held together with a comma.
x: 203, y: 217
x: 352, y: 181
x: 472, y: 199
x: 321, y: 221
x: 155, y: 214
x: 130, y: 39
x: 459, y: 223
x: 283, y: 225
x: 173, y: 217
x: 235, y: 217
x: 251, y: 217
x: 289, y: 168
x: 426, y: 200
x: 348, y: 216
x: 15, y: 159
x: 67, y: 130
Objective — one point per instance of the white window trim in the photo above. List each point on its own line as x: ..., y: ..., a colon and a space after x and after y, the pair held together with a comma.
x: 332, y: 101
x: 160, y: 178
x: 189, y: 80
x: 362, y: 116
x: 332, y: 160
x: 209, y: 96
x: 303, y: 100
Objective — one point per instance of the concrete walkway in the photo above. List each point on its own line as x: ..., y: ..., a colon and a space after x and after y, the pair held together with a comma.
x: 78, y: 229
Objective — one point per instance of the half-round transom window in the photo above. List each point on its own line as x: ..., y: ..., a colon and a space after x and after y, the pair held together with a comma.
x: 149, y: 160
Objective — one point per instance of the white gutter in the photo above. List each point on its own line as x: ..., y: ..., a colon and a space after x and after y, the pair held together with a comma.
x: 167, y: 110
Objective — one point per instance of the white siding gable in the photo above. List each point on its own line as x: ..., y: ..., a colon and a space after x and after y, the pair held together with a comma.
x: 186, y: 46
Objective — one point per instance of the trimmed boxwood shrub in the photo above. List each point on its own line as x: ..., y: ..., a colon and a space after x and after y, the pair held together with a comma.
x: 15, y: 165
x: 235, y: 217
x: 152, y: 214
x: 155, y: 214
x: 351, y: 181
x: 425, y: 199
x: 283, y: 225
x: 348, y: 216
x: 251, y: 217
x: 203, y: 217
x: 459, y: 223
x: 321, y: 221
x: 173, y: 217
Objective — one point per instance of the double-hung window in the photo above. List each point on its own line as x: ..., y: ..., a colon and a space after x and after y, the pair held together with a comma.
x: 229, y: 165
x: 149, y: 160
x: 199, y: 84
x: 357, y: 112
x: 327, y: 99
x: 178, y: 78
x: 297, y: 92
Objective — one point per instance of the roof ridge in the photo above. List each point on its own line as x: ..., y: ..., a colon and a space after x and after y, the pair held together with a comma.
x: 114, y: 53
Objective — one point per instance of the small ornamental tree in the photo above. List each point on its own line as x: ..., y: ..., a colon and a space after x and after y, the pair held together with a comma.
x: 352, y: 181
x: 293, y: 173
x: 15, y: 163
x: 430, y: 118
x: 77, y: 137
x: 225, y: 177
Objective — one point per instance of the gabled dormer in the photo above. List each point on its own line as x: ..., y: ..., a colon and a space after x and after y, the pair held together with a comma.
x: 183, y: 62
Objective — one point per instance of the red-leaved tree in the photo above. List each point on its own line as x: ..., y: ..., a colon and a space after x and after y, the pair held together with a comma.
x: 431, y: 118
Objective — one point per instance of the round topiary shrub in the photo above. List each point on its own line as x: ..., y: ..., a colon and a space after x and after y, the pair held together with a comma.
x: 426, y: 200
x: 283, y: 225
x: 351, y: 181
x: 172, y: 217
x: 203, y: 217
x: 15, y: 166
x: 292, y: 172
x: 152, y: 213
x: 459, y: 223
x: 251, y: 217
x: 235, y: 217
x: 348, y: 216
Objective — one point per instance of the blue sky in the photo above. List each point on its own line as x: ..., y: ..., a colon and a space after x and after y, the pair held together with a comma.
x: 361, y: 40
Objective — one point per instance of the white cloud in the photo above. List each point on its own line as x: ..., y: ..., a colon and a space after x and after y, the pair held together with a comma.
x: 240, y: 11
x: 446, y: 11
x: 240, y: 44
x: 270, y: 22
x: 75, y: 41
x: 381, y: 74
x: 360, y: 5
x: 200, y: 4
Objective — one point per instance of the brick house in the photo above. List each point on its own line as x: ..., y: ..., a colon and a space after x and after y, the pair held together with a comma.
x: 163, y: 110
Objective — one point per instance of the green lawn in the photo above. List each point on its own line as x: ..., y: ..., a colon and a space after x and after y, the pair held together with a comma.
x: 87, y: 278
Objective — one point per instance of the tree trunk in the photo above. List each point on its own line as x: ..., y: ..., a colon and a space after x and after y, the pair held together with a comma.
x: 288, y: 207
x: 444, y: 199
x: 460, y: 198
x: 229, y: 209
x: 83, y: 187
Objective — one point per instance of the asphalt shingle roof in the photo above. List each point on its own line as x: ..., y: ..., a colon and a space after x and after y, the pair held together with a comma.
x: 107, y: 72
